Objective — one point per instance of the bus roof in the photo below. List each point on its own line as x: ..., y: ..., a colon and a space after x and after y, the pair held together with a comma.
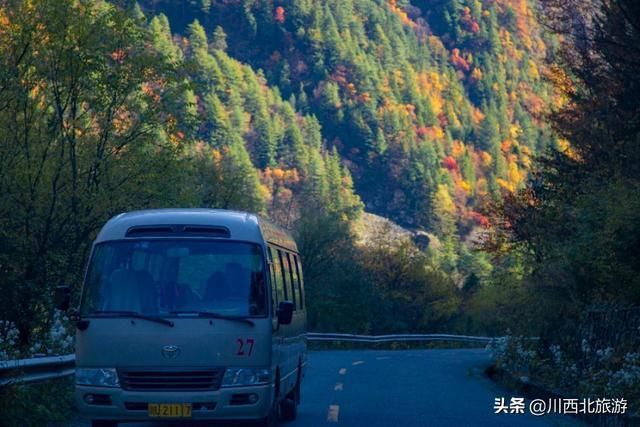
x: 241, y: 225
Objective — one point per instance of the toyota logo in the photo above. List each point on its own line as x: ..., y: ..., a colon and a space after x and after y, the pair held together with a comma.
x: 170, y: 351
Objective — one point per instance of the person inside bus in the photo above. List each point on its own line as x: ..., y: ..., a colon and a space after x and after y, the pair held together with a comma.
x: 217, y: 288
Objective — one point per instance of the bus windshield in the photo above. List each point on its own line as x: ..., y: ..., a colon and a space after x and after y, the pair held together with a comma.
x: 175, y: 277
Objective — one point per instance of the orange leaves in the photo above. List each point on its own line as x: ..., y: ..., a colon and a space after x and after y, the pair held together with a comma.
x: 534, y: 104
x: 506, y: 146
x: 485, y: 159
x: 365, y: 97
x: 118, y: 55
x: 468, y: 22
x: 122, y: 121
x: 281, y: 176
x: 477, y: 116
x: 458, y: 61
x: 279, y: 15
x: 430, y: 132
x: 457, y: 149
x: 393, y: 5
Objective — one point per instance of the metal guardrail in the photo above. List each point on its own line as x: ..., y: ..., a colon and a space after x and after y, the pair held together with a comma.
x: 46, y: 368
x: 37, y: 369
x: 315, y: 336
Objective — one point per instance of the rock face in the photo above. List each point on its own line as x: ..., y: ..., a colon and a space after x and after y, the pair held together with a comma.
x: 371, y: 227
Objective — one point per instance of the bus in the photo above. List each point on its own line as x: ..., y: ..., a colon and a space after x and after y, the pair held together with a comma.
x: 190, y: 314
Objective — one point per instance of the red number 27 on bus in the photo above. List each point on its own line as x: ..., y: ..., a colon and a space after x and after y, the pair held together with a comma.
x: 245, y: 346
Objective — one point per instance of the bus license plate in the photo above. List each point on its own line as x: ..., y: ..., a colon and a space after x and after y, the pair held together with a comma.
x: 170, y: 410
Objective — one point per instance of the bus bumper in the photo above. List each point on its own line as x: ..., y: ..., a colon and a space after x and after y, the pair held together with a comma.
x: 232, y: 403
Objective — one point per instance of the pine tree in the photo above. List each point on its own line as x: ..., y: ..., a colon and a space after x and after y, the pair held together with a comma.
x: 197, y: 36
x: 219, y: 39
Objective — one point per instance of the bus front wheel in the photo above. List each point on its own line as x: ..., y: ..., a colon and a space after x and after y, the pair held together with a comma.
x: 289, y: 405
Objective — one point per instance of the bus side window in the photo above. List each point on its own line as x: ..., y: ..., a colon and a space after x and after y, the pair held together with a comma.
x: 283, y: 275
x: 280, y: 288
x: 292, y: 282
x: 272, y: 281
x: 298, y: 275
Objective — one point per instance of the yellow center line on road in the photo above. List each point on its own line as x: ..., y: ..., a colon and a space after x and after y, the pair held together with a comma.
x: 342, y: 371
x: 338, y: 387
x: 332, y: 415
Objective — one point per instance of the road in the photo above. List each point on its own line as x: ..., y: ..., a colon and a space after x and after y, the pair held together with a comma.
x: 367, y: 388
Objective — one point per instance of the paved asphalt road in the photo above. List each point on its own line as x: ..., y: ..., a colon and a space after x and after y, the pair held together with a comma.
x: 367, y: 388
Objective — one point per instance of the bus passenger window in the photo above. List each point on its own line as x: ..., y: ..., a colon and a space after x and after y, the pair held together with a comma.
x: 292, y: 282
x: 283, y: 272
x: 296, y: 265
x: 280, y: 288
x: 272, y: 276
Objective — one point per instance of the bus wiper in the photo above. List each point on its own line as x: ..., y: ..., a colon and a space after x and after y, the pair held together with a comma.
x: 135, y: 315
x: 212, y: 315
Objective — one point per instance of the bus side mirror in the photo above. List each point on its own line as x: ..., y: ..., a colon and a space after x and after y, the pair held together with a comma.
x: 285, y: 312
x: 62, y: 298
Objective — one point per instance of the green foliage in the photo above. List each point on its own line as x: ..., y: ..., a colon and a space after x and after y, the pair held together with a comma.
x: 384, y: 77
x: 79, y: 139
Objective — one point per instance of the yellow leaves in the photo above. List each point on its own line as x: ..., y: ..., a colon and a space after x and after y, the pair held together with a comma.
x: 175, y: 139
x: 36, y: 90
x: 443, y: 199
x: 562, y: 83
x: 564, y: 146
x: 398, y: 77
x: 482, y: 189
x: 477, y: 116
x: 533, y: 70
x: 264, y: 192
x: 436, y: 103
x: 515, y: 131
x: 216, y: 156
x: 457, y: 149
x: 485, y: 159
x: 476, y: 74
x: 515, y: 175
x: 505, y: 184
x: 465, y: 186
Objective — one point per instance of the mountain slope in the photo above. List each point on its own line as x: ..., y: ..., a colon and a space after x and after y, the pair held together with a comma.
x: 413, y: 95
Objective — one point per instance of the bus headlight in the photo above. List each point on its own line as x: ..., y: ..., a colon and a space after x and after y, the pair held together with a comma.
x: 245, y: 376
x: 102, y: 377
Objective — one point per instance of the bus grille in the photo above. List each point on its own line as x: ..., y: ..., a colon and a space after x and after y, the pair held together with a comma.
x: 196, y: 380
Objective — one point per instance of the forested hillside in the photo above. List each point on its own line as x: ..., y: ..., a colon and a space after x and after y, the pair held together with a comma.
x: 413, y: 96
